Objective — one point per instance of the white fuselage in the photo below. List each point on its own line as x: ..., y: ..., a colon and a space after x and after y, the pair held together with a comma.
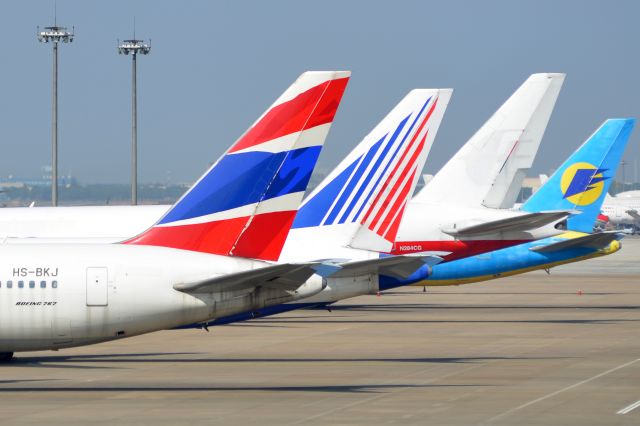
x: 622, y: 210
x: 71, y: 295
x: 107, y: 223
x: 424, y: 228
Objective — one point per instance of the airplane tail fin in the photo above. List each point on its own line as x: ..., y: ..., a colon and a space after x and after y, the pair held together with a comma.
x: 245, y: 203
x: 582, y: 182
x: 489, y: 169
x: 370, y: 187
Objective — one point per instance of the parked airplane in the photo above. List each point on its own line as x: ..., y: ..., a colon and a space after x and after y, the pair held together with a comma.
x: 241, y: 209
x: 581, y: 183
x: 623, y: 209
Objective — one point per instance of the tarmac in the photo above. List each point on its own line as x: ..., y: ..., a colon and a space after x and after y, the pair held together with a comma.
x: 535, y: 349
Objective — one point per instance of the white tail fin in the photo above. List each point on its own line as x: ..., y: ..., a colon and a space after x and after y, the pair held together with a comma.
x: 488, y: 170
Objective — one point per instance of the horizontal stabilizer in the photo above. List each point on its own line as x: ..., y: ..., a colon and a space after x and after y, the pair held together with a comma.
x: 595, y: 241
x: 401, y: 267
x: 524, y: 222
x: 286, y: 276
x: 633, y: 213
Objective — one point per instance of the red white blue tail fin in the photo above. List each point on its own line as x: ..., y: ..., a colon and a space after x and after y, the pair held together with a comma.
x: 371, y: 187
x: 245, y: 203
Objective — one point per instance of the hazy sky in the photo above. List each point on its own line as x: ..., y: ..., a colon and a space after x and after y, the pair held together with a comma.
x: 216, y: 65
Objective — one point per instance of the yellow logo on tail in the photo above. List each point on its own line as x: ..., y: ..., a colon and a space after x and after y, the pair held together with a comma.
x: 582, y: 183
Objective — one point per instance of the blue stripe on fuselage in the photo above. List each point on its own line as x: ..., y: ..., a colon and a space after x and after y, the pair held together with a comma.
x: 493, y: 263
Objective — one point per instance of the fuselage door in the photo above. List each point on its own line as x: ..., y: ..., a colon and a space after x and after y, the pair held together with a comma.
x: 97, y: 286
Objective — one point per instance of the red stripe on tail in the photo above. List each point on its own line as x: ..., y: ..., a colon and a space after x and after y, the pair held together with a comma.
x: 410, y: 165
x: 264, y: 239
x: 309, y: 109
x: 393, y: 219
x: 415, y: 136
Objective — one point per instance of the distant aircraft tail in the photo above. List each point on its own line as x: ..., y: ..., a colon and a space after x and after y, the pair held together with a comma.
x: 582, y: 182
x: 371, y: 187
x: 488, y: 170
x: 245, y: 203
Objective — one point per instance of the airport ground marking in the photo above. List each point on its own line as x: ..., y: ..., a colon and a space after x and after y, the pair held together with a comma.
x: 401, y: 389
x: 559, y: 391
x: 629, y: 408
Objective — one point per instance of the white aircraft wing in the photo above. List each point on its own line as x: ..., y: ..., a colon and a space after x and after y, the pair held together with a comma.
x: 516, y: 223
x: 401, y: 266
x: 290, y: 276
x: 596, y: 241
x: 287, y: 276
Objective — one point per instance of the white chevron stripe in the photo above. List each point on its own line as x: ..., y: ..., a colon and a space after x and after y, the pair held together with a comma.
x: 306, y: 138
x: 378, y: 172
x: 282, y: 203
x: 393, y: 180
x: 363, y: 177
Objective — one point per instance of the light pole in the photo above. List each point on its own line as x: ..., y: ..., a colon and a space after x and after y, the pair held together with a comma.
x: 134, y: 47
x: 55, y: 35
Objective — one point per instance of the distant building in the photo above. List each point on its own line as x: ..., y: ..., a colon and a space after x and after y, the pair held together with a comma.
x: 44, y: 180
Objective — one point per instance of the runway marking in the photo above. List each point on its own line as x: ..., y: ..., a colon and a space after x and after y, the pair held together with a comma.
x: 629, y: 408
x: 499, y: 349
x: 552, y: 394
x: 383, y: 395
x: 395, y: 392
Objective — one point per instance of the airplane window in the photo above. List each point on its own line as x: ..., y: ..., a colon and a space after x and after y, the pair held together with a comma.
x: 43, y: 284
x: 20, y: 284
x: 54, y: 284
x: 9, y: 284
x: 32, y: 284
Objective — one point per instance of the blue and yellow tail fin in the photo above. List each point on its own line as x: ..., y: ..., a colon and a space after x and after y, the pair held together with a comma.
x: 582, y: 182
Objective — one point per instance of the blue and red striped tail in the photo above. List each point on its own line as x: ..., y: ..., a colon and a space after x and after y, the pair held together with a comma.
x: 245, y: 204
x: 372, y: 185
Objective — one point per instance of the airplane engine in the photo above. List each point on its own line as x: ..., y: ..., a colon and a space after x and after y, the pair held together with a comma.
x: 312, y: 286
